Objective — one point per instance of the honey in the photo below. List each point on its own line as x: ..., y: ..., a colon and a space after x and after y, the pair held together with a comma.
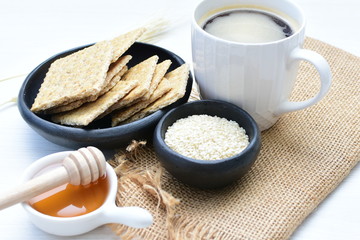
x: 69, y: 200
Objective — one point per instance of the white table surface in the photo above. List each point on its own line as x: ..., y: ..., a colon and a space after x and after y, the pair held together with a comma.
x: 32, y: 31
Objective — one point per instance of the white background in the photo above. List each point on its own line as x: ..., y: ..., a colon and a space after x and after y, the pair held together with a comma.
x: 32, y: 31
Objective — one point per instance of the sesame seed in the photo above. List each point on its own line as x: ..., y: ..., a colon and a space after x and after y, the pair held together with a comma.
x: 205, y: 137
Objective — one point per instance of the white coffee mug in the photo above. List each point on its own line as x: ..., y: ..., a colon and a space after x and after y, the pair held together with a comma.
x: 258, y: 77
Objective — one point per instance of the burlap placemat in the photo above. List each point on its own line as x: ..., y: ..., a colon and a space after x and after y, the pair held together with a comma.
x: 303, y: 158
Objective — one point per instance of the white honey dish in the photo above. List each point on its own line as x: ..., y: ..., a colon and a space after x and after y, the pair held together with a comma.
x: 69, y: 226
x: 258, y: 77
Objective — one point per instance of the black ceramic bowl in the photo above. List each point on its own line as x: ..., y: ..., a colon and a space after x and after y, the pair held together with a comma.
x: 207, y: 173
x: 100, y: 133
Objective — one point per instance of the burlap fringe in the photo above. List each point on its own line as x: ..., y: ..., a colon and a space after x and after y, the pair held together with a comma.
x: 149, y: 180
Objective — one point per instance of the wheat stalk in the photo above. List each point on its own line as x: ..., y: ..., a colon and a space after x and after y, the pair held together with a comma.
x: 13, y: 99
x: 12, y: 77
x: 155, y: 28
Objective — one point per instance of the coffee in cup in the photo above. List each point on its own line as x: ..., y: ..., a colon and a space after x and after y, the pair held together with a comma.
x: 248, y: 25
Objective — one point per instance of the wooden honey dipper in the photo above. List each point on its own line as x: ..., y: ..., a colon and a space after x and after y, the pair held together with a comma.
x: 83, y: 166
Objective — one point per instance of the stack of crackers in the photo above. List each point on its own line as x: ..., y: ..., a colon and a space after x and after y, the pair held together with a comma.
x: 96, y: 82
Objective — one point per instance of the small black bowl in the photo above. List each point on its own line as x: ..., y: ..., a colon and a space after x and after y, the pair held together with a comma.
x: 207, y: 173
x: 100, y: 133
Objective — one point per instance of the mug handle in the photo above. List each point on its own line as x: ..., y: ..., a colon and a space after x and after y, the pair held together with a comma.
x: 324, y: 71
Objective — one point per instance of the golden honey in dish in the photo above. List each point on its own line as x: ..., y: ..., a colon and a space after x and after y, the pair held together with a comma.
x: 69, y: 200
